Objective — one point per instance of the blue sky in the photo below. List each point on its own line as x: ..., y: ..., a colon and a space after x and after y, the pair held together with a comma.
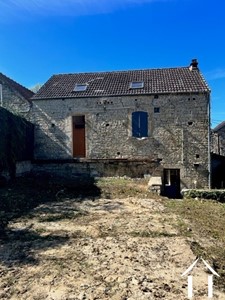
x: 39, y: 38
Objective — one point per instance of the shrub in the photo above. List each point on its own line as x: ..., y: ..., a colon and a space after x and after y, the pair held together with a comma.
x: 218, y: 195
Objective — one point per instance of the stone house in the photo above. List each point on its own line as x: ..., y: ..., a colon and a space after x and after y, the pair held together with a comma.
x: 15, y: 97
x: 138, y: 122
x: 218, y: 155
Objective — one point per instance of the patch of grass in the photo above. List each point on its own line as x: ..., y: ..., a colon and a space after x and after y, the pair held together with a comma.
x: 54, y: 217
x: 207, y: 221
x: 124, y: 187
x: 183, y: 228
x: 108, y: 231
x: 24, y: 235
x: 151, y: 234
x: 207, y: 217
x: 41, y: 230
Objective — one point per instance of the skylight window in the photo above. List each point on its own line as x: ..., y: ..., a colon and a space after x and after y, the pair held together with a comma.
x: 80, y: 87
x: 137, y: 85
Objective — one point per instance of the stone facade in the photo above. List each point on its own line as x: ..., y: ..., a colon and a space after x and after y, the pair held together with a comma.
x: 178, y: 130
x: 13, y: 102
x: 15, y: 97
x: 218, y: 139
x: 218, y: 156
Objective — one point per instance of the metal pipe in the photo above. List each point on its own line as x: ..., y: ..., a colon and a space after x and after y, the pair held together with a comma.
x: 209, y: 144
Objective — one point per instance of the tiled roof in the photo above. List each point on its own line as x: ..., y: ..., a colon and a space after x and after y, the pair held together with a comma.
x: 167, y: 80
x: 27, y: 94
x: 219, y: 126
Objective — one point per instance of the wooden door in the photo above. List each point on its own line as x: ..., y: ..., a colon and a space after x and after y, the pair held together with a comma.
x: 79, y: 149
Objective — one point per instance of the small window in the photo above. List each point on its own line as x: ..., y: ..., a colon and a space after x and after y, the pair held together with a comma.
x: 156, y: 110
x: 139, y: 124
x: 136, y: 85
x: 80, y: 87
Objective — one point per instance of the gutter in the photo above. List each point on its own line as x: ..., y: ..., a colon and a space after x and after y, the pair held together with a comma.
x: 209, y: 144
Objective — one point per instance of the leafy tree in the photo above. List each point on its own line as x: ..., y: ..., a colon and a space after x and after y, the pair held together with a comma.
x: 36, y: 87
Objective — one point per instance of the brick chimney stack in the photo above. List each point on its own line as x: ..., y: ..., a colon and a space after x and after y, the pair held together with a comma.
x: 194, y: 64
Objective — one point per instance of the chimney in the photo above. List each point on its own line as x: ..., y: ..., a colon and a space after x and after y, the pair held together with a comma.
x: 194, y: 64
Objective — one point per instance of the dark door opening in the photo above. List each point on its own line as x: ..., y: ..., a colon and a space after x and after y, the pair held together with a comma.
x: 79, y: 149
x: 171, y: 183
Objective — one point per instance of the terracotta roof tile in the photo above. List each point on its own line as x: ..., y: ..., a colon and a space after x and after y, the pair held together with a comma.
x: 167, y: 80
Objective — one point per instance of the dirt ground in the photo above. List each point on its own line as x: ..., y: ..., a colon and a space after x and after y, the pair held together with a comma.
x: 98, y: 249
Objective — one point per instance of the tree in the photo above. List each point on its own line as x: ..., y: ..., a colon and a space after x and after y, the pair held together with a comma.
x: 36, y: 87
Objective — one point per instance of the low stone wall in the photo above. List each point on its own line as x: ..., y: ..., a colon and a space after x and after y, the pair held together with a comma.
x: 23, y: 167
x: 94, y: 168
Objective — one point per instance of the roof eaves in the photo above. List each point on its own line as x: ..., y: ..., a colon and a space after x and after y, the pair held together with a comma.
x: 116, y: 95
x: 219, y: 126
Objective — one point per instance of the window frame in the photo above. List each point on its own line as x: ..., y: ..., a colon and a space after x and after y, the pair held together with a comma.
x: 139, y: 124
x: 139, y: 83
x: 80, y: 87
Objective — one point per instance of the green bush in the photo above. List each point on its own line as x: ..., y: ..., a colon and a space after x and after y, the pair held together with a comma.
x: 218, y: 195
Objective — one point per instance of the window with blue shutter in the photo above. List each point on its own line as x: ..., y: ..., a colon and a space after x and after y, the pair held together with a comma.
x: 139, y: 124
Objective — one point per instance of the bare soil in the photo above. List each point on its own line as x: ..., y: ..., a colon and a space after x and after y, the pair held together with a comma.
x: 125, y: 247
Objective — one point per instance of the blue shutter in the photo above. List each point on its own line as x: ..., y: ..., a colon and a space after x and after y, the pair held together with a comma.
x: 135, y: 122
x: 139, y: 124
x: 143, y: 124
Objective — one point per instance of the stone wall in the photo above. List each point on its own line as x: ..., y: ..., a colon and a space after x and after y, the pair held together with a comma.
x: 22, y: 168
x: 177, y: 131
x: 96, y: 168
x: 15, y: 102
x: 218, y: 141
x: 16, y: 143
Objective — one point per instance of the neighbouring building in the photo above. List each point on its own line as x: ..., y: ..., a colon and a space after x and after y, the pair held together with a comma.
x: 218, y: 139
x: 16, y: 131
x: 136, y: 122
x: 15, y: 97
x: 218, y: 155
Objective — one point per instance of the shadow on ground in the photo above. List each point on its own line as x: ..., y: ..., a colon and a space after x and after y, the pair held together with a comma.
x: 19, y: 245
x: 21, y: 197
x: 18, y: 197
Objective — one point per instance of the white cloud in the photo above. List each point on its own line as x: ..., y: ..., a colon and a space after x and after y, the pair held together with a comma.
x: 64, y: 7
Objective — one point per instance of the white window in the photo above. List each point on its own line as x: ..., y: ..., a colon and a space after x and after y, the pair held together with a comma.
x: 80, y: 87
x: 136, y: 85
